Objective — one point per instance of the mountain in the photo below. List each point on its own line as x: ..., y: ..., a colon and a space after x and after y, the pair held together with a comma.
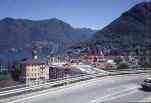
x: 128, y: 33
x: 49, y: 36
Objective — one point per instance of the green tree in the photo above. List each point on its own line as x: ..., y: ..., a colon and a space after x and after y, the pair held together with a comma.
x: 122, y: 65
x: 17, y: 72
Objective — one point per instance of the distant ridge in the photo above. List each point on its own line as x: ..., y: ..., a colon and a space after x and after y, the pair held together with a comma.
x: 128, y: 33
x: 50, y: 36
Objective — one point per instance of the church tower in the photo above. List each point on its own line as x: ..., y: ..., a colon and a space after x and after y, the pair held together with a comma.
x: 34, y: 53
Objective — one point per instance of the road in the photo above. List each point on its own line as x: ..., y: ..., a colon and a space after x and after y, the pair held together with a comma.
x: 111, y: 89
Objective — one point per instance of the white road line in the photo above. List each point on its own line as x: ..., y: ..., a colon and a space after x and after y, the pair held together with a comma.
x: 121, y: 87
x: 83, y: 84
x: 53, y: 93
x: 86, y: 83
x: 115, y: 95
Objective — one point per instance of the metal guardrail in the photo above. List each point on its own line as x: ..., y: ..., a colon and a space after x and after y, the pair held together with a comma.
x: 5, y: 94
x: 41, y: 85
x: 48, y: 85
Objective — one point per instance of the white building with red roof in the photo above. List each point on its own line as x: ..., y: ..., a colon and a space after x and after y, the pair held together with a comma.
x: 34, y: 70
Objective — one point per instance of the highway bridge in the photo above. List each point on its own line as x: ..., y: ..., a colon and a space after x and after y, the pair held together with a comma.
x: 108, y: 89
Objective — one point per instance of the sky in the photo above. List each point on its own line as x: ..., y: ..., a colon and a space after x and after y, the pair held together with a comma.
x: 93, y: 14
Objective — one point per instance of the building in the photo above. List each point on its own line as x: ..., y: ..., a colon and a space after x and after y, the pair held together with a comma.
x: 57, y: 73
x: 64, y: 71
x: 92, y: 56
x: 34, y: 70
x: 4, y: 67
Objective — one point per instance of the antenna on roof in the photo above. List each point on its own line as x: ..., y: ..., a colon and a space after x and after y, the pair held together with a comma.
x: 34, y: 53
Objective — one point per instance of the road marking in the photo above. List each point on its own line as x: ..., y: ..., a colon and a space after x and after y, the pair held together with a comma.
x: 121, y: 87
x: 53, y: 92
x: 115, y: 95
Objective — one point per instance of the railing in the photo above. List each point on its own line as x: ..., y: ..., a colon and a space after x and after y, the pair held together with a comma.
x: 47, y: 84
x: 4, y: 95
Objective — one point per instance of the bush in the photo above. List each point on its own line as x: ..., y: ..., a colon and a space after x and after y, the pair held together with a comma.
x: 5, y: 76
x: 16, y: 73
x: 122, y: 65
x: 118, y: 60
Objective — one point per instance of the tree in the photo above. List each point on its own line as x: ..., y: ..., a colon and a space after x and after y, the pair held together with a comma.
x: 17, y: 72
x: 118, y: 60
x: 122, y: 65
x: 147, y: 57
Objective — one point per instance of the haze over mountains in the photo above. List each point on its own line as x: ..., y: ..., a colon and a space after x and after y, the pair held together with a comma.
x: 50, y: 36
x: 132, y: 30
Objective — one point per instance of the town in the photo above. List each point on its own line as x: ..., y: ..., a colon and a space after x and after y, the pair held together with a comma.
x: 35, y: 70
x: 75, y: 51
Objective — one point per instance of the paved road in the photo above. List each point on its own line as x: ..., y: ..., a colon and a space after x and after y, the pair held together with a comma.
x: 107, y: 90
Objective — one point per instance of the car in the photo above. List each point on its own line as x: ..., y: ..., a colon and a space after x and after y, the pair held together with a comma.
x: 146, y: 84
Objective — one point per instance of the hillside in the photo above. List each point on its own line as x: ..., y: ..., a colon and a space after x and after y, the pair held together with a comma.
x: 50, y: 36
x: 130, y: 32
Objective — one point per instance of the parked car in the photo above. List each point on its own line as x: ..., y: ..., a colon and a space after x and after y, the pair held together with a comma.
x: 146, y: 84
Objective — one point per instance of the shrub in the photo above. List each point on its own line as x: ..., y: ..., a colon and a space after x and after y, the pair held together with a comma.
x: 122, y: 65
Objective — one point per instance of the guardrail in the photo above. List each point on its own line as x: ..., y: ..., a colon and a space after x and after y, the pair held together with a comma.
x: 15, y: 92
x: 28, y: 89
